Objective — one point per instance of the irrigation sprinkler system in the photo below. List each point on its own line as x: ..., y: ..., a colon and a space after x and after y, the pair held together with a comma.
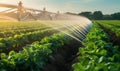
x: 80, y: 24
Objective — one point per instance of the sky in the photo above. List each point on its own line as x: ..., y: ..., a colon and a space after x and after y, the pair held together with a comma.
x: 74, y: 6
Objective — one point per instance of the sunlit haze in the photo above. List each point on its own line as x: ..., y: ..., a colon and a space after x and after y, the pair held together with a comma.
x: 76, y: 6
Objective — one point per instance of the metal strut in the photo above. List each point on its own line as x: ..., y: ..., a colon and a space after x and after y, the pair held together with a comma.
x: 22, y: 13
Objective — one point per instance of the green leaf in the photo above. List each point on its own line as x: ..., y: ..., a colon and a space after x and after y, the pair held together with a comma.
x: 78, y: 67
x: 3, y: 56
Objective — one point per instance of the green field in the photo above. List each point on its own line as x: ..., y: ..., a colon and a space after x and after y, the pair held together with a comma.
x: 114, y: 26
x: 65, y: 45
x: 99, y: 52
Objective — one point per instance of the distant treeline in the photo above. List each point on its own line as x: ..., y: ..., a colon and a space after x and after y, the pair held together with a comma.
x: 98, y: 15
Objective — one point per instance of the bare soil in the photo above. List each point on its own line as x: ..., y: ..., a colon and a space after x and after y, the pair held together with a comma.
x: 63, y: 59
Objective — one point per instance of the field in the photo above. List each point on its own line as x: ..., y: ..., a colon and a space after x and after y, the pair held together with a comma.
x: 101, y: 49
x: 60, y: 46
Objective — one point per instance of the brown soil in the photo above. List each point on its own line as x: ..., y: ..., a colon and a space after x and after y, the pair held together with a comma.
x: 63, y: 59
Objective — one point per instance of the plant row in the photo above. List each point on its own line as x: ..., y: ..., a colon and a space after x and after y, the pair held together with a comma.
x: 11, y: 33
x: 114, y: 26
x: 23, y: 39
x: 111, y: 22
x: 97, y: 53
x: 20, y: 25
x: 34, y: 56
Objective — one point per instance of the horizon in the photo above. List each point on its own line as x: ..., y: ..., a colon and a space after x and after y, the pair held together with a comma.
x: 76, y: 6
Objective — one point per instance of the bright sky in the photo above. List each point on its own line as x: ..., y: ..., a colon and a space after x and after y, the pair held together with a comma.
x: 75, y: 6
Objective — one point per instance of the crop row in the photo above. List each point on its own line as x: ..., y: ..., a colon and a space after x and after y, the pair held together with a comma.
x: 34, y: 56
x: 11, y: 33
x: 23, y: 39
x: 114, y: 26
x: 98, y: 53
x: 111, y: 22
x: 10, y: 29
x: 20, y: 25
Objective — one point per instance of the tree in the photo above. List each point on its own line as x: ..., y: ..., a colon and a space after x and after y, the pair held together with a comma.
x: 86, y: 14
x: 116, y: 16
x: 107, y: 17
x: 97, y: 15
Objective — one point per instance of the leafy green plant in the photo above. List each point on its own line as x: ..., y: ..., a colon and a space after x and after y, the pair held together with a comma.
x: 98, y: 54
x: 34, y: 56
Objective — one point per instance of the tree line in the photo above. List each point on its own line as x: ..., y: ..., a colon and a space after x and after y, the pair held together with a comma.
x: 98, y: 15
